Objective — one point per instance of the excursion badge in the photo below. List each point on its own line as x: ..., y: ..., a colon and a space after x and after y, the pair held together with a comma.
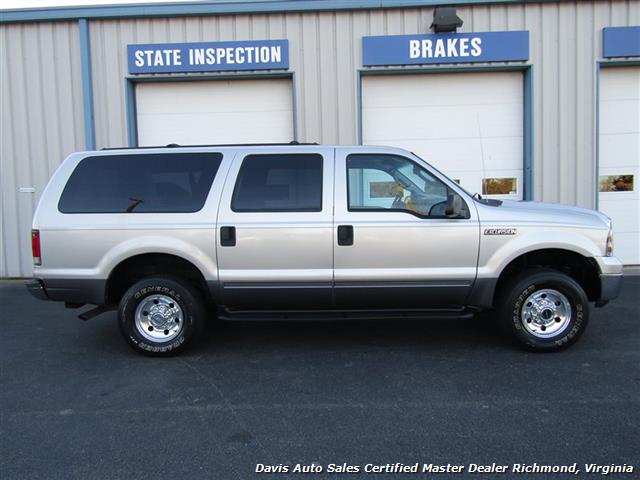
x: 500, y: 231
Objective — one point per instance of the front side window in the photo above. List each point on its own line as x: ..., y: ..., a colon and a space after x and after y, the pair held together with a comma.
x: 390, y: 182
x: 279, y: 183
x: 140, y: 183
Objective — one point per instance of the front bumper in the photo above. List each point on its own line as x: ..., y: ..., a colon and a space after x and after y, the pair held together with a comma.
x: 609, y: 265
x: 36, y: 288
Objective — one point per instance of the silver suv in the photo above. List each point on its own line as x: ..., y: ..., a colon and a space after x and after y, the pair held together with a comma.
x: 167, y: 235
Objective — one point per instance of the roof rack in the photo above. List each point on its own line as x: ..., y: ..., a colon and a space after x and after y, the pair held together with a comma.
x: 175, y: 145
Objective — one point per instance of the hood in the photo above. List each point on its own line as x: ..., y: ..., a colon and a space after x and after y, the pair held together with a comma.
x: 543, y: 213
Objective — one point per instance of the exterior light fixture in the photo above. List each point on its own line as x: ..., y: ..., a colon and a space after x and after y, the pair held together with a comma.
x: 445, y: 20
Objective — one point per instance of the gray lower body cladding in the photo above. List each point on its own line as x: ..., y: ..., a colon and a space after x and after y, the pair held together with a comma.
x: 370, y: 295
x: 610, y: 287
x: 69, y: 290
x: 339, y: 295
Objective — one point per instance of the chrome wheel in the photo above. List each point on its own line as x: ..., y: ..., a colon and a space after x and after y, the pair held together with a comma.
x: 546, y: 313
x: 159, y: 318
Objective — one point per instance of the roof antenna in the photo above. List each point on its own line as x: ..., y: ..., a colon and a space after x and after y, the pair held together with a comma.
x: 481, y: 154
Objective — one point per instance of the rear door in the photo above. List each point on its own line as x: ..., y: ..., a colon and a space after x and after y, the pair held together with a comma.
x: 275, y: 229
x: 395, y: 246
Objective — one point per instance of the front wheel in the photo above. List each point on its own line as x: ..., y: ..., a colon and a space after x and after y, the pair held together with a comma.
x: 544, y: 310
x: 160, y: 316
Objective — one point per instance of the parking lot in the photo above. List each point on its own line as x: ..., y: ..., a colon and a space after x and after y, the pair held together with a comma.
x: 77, y: 402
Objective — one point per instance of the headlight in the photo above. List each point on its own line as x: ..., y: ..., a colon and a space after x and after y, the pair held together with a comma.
x: 609, y: 247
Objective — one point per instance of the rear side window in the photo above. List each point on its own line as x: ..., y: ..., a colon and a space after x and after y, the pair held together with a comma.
x: 144, y: 183
x: 279, y: 183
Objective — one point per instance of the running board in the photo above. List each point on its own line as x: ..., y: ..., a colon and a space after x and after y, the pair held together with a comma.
x: 94, y: 312
x: 318, y: 315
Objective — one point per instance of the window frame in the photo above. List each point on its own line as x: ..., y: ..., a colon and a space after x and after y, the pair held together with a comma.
x: 234, y: 193
x: 219, y: 159
x: 402, y: 210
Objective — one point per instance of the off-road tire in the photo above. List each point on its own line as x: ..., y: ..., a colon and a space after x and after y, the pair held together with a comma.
x: 187, y: 311
x: 517, y: 305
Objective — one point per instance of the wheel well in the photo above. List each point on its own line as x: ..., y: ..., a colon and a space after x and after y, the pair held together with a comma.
x: 582, y: 269
x: 134, y: 269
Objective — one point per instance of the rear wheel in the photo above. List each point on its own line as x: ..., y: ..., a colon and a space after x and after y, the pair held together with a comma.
x: 544, y: 310
x: 161, y: 316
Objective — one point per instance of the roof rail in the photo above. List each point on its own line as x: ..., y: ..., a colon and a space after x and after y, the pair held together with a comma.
x: 175, y: 145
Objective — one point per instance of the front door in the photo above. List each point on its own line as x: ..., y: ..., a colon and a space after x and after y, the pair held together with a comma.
x: 395, y: 245
x: 275, y: 229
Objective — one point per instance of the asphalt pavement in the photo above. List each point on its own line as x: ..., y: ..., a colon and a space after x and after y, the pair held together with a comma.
x: 78, y: 403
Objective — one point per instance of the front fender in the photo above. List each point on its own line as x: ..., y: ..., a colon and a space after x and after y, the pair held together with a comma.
x: 497, y: 253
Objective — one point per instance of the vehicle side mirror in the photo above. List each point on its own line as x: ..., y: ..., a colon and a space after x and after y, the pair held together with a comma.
x: 455, y: 206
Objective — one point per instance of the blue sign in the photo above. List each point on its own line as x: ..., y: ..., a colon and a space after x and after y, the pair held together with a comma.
x: 208, y: 56
x: 621, y: 42
x: 445, y: 48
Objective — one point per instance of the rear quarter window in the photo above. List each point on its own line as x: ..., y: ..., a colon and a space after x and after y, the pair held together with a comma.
x: 142, y: 183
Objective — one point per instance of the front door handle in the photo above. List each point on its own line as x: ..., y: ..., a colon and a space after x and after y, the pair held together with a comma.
x: 345, y: 235
x: 228, y: 236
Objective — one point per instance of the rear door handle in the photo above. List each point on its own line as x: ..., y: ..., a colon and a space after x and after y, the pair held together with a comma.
x: 345, y: 235
x: 228, y: 236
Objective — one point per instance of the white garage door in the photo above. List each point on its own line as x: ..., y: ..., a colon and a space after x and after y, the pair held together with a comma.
x: 619, y: 195
x: 215, y: 111
x: 469, y: 125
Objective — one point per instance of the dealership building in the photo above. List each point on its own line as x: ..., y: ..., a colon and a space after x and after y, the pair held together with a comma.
x: 526, y: 100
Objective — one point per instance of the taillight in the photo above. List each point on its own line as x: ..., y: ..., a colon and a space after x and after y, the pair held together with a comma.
x: 35, y: 247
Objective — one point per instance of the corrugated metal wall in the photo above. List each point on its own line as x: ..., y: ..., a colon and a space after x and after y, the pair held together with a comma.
x: 41, y: 122
x: 325, y: 53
